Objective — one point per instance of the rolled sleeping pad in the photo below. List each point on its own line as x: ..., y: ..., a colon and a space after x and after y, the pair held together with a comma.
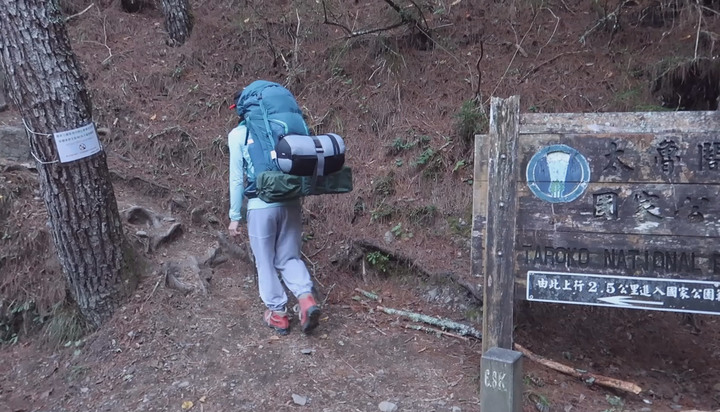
x: 310, y: 155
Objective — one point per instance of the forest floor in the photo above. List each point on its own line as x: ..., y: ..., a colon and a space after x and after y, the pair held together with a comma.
x: 401, y: 102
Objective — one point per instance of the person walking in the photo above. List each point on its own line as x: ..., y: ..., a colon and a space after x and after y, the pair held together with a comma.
x: 274, y: 231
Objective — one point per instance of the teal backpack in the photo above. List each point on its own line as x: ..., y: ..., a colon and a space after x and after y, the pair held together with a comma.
x: 271, y: 113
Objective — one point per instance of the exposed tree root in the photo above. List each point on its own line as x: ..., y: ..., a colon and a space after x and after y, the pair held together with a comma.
x: 241, y: 252
x: 186, y: 276
x: 170, y: 235
x: 361, y: 247
x: 138, y: 215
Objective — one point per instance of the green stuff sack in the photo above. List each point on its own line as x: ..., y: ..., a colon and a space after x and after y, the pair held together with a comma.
x: 276, y: 186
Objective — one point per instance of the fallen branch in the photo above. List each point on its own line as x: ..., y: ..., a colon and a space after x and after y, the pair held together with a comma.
x: 579, y: 373
x: 369, y: 295
x: 443, y: 323
x: 435, y: 331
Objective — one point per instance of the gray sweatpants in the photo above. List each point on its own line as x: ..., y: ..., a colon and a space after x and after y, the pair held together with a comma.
x: 275, y: 238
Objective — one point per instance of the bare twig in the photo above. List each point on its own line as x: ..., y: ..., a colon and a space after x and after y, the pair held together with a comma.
x: 68, y: 18
x: 426, y: 28
x: 579, y: 373
x: 613, y: 16
x: 351, y: 33
x: 405, y: 19
x: 566, y: 7
x: 320, y: 249
x: 548, y: 61
x: 105, y: 38
x: 297, y: 36
x: 332, y: 23
x: 507, y: 69
x: 435, y: 331
x: 351, y: 367
x: 478, y: 96
x: 376, y: 30
x: 151, y: 294
x: 314, y: 266
x: 557, y: 23
x: 443, y: 323
x: 327, y: 295
x: 697, y: 36
x: 708, y: 9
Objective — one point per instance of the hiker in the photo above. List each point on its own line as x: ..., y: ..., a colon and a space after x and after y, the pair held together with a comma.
x: 274, y: 231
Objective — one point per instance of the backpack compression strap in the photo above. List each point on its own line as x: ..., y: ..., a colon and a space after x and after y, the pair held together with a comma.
x: 319, y: 166
x: 268, y: 130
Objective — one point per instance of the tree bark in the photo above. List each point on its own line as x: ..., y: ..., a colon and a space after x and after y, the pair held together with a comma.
x: 3, y: 100
x: 45, y: 81
x: 178, y: 20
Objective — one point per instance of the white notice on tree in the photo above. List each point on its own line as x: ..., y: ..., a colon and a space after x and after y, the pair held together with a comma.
x: 77, y: 144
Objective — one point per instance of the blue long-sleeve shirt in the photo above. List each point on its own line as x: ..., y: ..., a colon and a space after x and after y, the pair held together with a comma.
x: 238, y: 170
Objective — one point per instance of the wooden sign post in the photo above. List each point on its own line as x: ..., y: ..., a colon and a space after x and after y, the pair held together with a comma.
x: 501, y: 366
x: 499, y: 263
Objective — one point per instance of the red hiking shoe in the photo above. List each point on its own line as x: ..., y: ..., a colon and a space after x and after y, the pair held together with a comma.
x: 309, y: 313
x: 277, y: 320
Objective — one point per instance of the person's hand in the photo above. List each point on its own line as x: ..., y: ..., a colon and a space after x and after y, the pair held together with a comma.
x: 233, y: 228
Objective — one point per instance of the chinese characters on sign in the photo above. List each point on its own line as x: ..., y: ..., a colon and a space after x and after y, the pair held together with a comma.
x: 709, y: 155
x: 605, y: 205
x: 615, y: 162
x: 667, y: 156
x: 668, y: 160
x: 675, y: 295
x: 77, y: 144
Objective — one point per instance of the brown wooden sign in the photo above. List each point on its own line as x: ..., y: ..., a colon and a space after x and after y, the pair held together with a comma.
x: 577, y: 202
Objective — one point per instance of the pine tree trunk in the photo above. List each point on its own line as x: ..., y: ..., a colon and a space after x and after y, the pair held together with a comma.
x: 178, y: 20
x: 45, y: 80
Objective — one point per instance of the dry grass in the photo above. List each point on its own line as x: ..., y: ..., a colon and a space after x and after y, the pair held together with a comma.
x: 687, y: 84
x: 65, y: 327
